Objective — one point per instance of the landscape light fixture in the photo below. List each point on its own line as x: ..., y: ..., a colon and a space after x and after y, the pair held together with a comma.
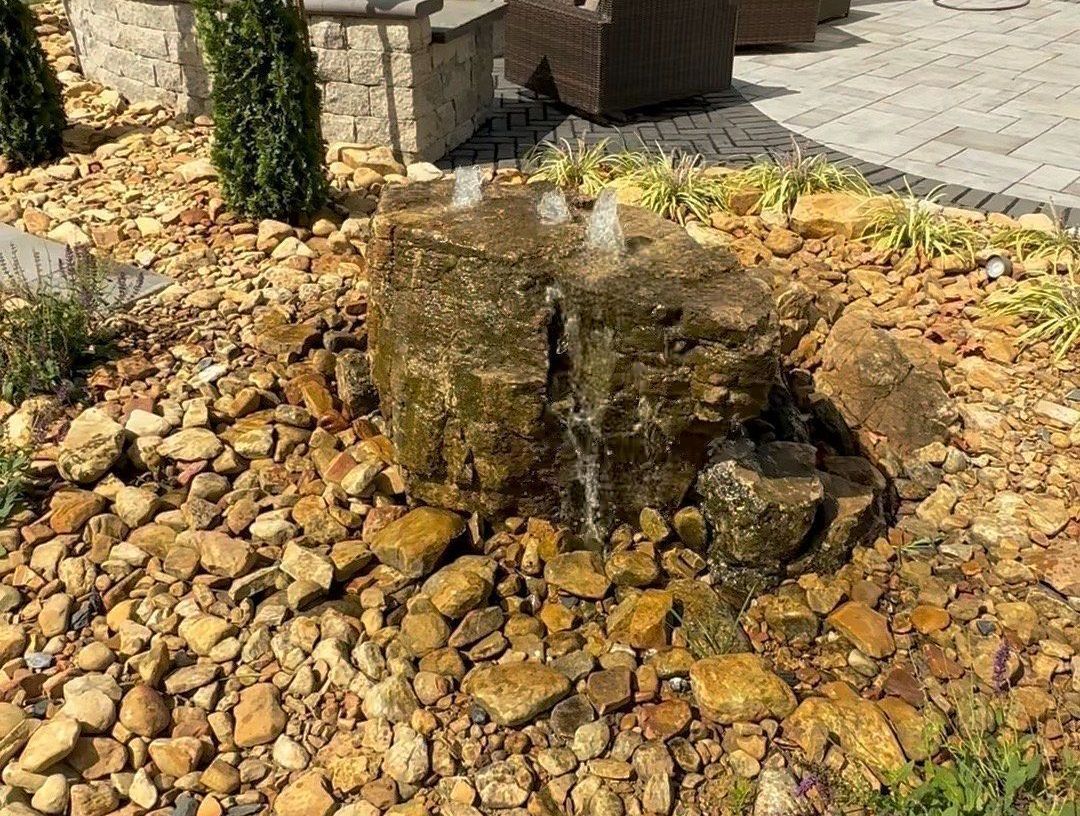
x: 997, y: 266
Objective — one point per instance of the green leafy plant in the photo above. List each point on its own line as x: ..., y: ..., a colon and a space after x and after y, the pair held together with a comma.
x: 268, y: 146
x: 985, y: 775
x: 14, y: 476
x: 1049, y: 303
x: 911, y: 224
x: 983, y: 769
x: 740, y: 798
x: 31, y: 110
x: 783, y: 178
x: 1059, y: 244
x: 672, y: 184
x: 48, y: 327
x: 573, y: 167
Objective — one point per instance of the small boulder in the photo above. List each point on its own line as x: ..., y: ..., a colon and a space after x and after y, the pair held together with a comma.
x: 739, y: 688
x: 414, y: 543
x: 515, y: 693
x: 761, y: 503
x: 93, y: 444
x: 823, y: 215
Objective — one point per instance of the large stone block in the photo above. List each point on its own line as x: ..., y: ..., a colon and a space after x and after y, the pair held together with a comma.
x: 144, y: 41
x: 157, y: 14
x: 333, y: 66
x: 327, y: 32
x: 520, y: 372
x: 346, y: 98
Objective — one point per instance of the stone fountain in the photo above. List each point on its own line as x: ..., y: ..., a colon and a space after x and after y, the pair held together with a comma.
x: 524, y: 370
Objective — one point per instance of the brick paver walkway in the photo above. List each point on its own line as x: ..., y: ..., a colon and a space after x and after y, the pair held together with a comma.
x: 736, y: 126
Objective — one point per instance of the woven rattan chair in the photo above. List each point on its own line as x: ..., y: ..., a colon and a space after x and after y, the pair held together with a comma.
x: 614, y: 55
x: 773, y: 22
x: 833, y: 10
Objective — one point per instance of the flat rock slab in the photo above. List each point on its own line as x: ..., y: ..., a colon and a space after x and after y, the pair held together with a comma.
x: 39, y: 259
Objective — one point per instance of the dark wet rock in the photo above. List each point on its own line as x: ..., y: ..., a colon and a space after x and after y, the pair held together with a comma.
x: 761, y: 503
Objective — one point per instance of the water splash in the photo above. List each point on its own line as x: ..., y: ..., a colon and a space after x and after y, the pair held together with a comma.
x: 468, y: 187
x: 552, y: 208
x: 589, y: 358
x: 603, y: 232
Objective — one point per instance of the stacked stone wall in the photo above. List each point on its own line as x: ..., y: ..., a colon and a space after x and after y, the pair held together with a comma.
x: 384, y: 81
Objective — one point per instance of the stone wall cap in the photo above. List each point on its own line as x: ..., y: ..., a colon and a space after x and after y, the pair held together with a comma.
x: 458, y: 17
x: 409, y: 9
x: 394, y: 9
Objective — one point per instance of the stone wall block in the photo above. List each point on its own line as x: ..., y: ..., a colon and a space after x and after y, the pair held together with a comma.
x: 344, y: 98
x: 327, y: 32
x: 333, y: 65
x: 144, y: 41
x: 397, y: 102
x: 338, y: 128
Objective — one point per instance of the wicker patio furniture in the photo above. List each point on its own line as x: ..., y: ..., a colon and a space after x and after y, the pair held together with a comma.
x: 774, y: 22
x: 605, y: 56
x: 833, y: 10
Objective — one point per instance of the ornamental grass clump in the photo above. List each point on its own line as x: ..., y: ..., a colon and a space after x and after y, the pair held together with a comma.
x: 1049, y: 302
x: 674, y: 185
x: 47, y: 328
x: 268, y: 147
x: 31, y: 109
x: 783, y: 178
x: 912, y: 225
x: 1059, y: 244
x: 574, y: 167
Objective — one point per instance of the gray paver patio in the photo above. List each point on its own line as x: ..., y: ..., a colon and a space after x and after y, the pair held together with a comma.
x: 16, y: 244
x: 988, y: 100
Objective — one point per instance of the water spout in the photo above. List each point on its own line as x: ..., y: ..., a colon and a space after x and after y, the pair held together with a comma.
x: 604, y: 233
x: 468, y: 188
x: 552, y: 208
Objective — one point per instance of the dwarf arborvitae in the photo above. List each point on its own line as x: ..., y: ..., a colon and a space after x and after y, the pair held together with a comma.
x: 268, y: 146
x: 31, y: 110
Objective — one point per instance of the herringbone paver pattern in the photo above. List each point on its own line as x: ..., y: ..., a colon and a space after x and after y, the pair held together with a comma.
x: 722, y: 127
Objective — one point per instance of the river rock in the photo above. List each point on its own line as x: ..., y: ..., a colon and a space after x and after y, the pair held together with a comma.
x: 860, y: 727
x: 515, y: 693
x: 867, y: 630
x: 414, y: 543
x: 49, y: 744
x: 191, y: 445
x: 739, y: 687
x: 518, y: 335
x: 308, y: 795
x: 143, y: 711
x: 259, y: 716
x: 578, y: 573
x: 93, y: 444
